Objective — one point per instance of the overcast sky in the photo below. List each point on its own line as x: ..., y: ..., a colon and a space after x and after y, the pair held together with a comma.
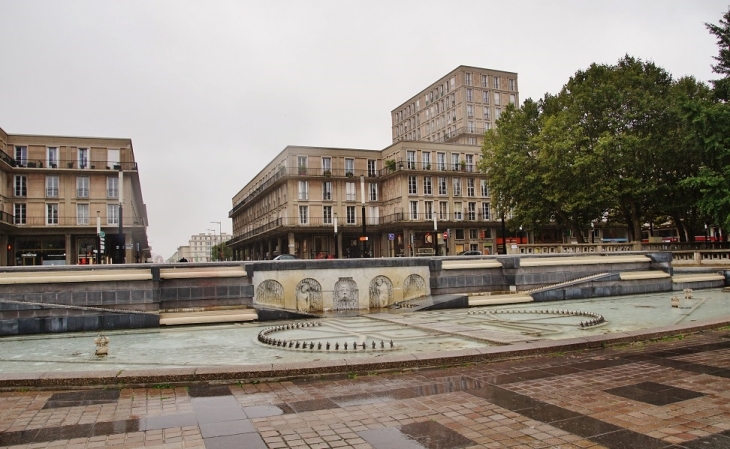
x: 209, y: 91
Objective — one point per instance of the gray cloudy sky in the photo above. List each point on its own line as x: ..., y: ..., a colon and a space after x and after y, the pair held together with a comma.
x: 210, y: 91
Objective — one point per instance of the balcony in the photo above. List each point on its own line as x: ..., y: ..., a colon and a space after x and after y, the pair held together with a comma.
x: 403, y: 164
x: 69, y: 221
x: 73, y: 164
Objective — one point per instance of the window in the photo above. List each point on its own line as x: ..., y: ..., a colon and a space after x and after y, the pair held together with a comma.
x: 52, y: 186
x: 457, y: 211
x: 467, y: 79
x: 112, y: 157
x: 372, y: 167
x: 303, y: 215
x: 112, y: 187
x: 486, y: 113
x: 454, y: 161
x: 485, y: 96
x: 411, y: 159
x: 470, y: 126
x: 497, y: 99
x: 327, y: 190
x: 512, y: 98
x: 82, y: 187
x: 511, y: 84
x: 82, y: 214
x: 470, y: 187
x: 83, y: 156
x: 497, y: 113
x: 441, y: 161
x: 443, y: 210
x: 52, y: 213
x: 350, y: 191
x: 302, y: 161
x: 452, y: 82
x: 470, y: 110
x: 373, y: 190
x: 21, y: 186
x: 469, y: 95
x: 20, y: 213
x: 327, y: 215
x: 456, y: 184
x: 428, y: 205
x: 459, y: 234
x: 471, y: 211
x: 484, y: 185
x: 427, y: 188
x: 442, y: 185
x: 487, y: 126
x: 496, y: 82
x: 414, y: 209
x: 351, y: 215
x: 21, y: 156
x: 412, y: 185
x: 326, y: 165
x: 485, y: 211
x: 52, y: 156
x: 349, y: 166
x: 470, y: 162
x: 426, y: 156
x: 473, y: 234
x: 485, y: 81
x: 303, y: 190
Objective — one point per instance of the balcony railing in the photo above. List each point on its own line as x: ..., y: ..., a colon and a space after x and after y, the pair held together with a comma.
x: 356, y: 221
x: 403, y: 164
x: 74, y: 164
x: 72, y: 221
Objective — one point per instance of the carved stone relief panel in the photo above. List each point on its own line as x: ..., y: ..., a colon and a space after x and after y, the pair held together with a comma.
x: 309, y: 295
x: 413, y: 287
x: 346, y: 295
x: 381, y: 292
x: 270, y: 292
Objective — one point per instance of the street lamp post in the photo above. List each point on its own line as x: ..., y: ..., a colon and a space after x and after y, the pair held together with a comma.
x: 98, y: 237
x: 504, y: 236
x: 364, y: 228
x: 707, y: 235
x: 210, y: 252
x: 435, y: 235
x: 220, y: 242
x: 520, y: 234
x: 337, y: 254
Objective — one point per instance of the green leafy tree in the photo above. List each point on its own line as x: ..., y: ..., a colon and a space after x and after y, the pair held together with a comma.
x: 221, y: 252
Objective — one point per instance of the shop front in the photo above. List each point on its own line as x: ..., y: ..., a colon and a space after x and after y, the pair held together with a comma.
x: 40, y: 250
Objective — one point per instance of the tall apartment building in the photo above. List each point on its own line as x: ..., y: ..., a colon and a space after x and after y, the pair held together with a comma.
x: 458, y: 108
x: 201, y: 246
x: 53, y: 188
x: 309, y: 202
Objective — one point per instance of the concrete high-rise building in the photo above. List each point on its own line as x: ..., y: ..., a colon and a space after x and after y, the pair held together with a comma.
x: 53, y: 188
x: 458, y: 108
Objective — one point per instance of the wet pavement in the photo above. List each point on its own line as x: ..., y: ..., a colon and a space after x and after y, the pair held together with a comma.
x: 669, y: 393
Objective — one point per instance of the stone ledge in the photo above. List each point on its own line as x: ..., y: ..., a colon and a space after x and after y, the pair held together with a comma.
x: 469, y: 264
x: 581, y: 260
x: 202, y: 272
x: 703, y: 277
x: 635, y: 275
x: 104, y: 275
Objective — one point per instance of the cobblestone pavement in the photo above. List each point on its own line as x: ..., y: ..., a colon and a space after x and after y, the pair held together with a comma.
x: 671, y: 393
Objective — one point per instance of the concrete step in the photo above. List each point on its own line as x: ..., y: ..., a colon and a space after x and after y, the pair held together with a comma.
x: 207, y: 317
x: 494, y: 300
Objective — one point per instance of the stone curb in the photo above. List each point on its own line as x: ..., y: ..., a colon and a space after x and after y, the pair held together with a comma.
x: 395, y: 362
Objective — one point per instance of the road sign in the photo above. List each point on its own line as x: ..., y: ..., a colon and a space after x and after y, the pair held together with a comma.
x: 128, y: 246
x: 446, y: 235
x: 391, y: 236
x: 102, y: 234
x: 363, y: 239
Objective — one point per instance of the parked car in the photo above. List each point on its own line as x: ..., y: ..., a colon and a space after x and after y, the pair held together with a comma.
x: 470, y: 253
x: 285, y: 257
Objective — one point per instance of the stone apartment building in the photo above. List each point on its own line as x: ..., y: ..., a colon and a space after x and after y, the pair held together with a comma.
x: 309, y: 201
x: 53, y: 188
x: 458, y: 108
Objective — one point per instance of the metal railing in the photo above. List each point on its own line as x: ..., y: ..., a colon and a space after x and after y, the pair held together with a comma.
x: 68, y: 164
x: 67, y: 221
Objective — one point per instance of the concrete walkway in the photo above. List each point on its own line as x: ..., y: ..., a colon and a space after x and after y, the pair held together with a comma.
x: 673, y: 392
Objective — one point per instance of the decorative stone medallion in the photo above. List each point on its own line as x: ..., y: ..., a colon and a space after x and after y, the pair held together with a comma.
x: 381, y: 292
x: 270, y: 292
x: 345, y: 295
x: 309, y: 295
x: 414, y: 287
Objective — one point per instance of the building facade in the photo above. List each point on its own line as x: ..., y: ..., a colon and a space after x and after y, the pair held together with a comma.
x: 458, y: 108
x: 54, y: 190
x: 201, y: 246
x: 310, y: 201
